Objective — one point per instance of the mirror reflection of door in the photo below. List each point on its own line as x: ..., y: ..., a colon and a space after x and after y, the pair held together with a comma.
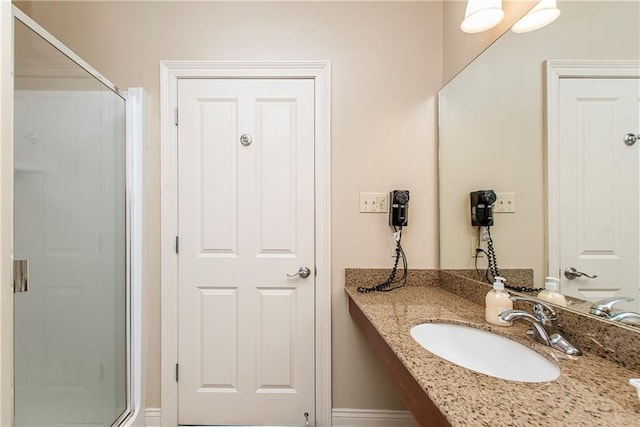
x: 598, y: 188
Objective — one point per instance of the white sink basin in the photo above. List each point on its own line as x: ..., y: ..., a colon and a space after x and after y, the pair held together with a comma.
x: 485, y: 352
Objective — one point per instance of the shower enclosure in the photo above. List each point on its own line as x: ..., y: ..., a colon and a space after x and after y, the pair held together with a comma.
x: 73, y: 302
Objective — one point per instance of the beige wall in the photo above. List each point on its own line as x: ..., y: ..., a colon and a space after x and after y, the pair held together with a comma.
x: 492, y: 128
x: 460, y: 48
x: 386, y: 72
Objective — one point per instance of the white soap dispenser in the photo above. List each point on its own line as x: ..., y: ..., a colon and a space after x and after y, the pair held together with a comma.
x: 550, y: 292
x: 497, y: 302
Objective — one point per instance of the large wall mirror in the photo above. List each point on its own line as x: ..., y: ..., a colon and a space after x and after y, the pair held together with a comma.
x: 534, y: 112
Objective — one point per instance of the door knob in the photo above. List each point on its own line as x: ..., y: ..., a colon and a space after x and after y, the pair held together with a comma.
x: 571, y: 273
x: 303, y: 272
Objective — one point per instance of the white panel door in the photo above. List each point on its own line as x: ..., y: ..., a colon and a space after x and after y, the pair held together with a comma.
x: 246, y: 220
x: 599, y: 187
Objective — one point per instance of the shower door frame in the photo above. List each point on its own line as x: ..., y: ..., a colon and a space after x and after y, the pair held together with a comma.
x: 135, y: 139
x: 6, y: 213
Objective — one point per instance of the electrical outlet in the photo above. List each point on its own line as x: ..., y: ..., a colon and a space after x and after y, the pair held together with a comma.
x: 393, y: 246
x: 474, y: 245
x: 373, y: 202
x: 505, y: 203
x: 483, y: 246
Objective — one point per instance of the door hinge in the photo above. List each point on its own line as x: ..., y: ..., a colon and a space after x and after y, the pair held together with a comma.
x: 176, y: 116
x: 177, y: 244
x: 177, y: 372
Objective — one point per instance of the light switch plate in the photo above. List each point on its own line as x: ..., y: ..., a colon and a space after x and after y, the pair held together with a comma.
x: 373, y: 202
x: 505, y: 203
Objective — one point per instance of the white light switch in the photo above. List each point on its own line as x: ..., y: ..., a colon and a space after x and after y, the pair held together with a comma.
x: 373, y: 202
x: 505, y: 203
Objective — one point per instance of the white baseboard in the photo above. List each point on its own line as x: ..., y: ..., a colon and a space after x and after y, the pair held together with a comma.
x: 153, y: 417
x: 343, y: 417
x: 340, y: 417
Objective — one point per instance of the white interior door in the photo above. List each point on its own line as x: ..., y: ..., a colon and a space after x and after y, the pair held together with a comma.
x: 599, y: 188
x: 246, y: 220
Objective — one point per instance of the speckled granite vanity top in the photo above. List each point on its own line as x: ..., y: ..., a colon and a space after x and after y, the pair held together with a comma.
x: 591, y: 391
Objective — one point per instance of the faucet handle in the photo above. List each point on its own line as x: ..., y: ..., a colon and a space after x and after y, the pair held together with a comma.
x: 604, y: 307
x: 542, y: 309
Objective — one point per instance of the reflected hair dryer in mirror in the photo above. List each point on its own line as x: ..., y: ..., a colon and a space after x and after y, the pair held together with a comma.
x: 482, y: 207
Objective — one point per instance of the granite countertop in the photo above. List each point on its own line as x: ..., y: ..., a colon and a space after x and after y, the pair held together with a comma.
x: 589, y: 391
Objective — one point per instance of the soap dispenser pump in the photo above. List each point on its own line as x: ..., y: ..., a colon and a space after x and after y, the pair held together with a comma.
x: 550, y: 292
x: 497, y: 302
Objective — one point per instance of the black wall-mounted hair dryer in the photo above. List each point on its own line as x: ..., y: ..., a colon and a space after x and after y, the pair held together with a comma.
x: 399, y: 208
x: 482, y: 207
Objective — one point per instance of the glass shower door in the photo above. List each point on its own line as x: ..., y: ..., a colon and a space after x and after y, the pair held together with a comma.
x: 70, y: 226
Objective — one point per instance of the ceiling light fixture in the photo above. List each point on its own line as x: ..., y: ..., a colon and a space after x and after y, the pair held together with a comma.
x: 481, y: 15
x: 543, y: 13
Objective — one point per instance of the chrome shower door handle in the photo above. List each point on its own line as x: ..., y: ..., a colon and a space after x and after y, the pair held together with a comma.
x: 571, y: 273
x: 303, y: 272
x: 20, y: 275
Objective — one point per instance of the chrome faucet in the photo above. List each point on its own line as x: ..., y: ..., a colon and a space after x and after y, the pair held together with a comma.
x: 545, y: 324
x: 628, y: 317
x: 604, y: 308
